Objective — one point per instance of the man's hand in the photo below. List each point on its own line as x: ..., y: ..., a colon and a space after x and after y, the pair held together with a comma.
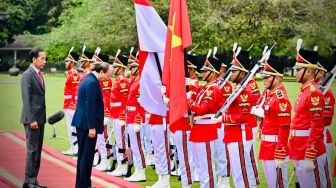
x: 34, y: 125
x: 165, y: 99
x: 259, y: 112
x: 92, y: 133
x: 163, y: 90
x: 308, y: 165
x: 189, y: 95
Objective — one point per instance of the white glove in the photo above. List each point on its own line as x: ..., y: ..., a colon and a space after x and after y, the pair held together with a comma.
x: 259, y: 112
x: 189, y: 95
x: 279, y: 163
x: 188, y: 81
x: 253, y: 109
x: 122, y: 122
x: 165, y: 99
x: 138, y: 99
x: 163, y: 90
x: 308, y: 165
x: 136, y: 128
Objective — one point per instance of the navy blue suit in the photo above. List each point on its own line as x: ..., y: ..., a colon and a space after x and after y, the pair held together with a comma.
x: 89, y: 114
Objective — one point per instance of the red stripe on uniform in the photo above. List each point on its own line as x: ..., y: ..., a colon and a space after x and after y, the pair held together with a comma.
x: 167, y: 150
x: 227, y: 161
x: 280, y: 179
x: 254, y: 166
x: 140, y: 150
x: 242, y: 163
x: 326, y: 170
x: 185, y: 155
x: 208, y: 152
x: 317, y: 174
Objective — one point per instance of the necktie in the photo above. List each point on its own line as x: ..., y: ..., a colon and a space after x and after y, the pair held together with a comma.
x: 41, y: 78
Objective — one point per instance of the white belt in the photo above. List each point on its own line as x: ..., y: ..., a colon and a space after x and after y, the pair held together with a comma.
x: 269, y: 138
x: 67, y: 96
x: 204, y: 116
x: 206, y: 121
x: 115, y: 104
x: 299, y: 132
x: 130, y: 108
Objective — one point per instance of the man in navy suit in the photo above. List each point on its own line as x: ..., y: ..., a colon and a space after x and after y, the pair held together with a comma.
x: 89, y: 120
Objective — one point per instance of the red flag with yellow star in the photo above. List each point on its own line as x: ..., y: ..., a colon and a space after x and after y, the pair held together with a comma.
x: 178, y: 38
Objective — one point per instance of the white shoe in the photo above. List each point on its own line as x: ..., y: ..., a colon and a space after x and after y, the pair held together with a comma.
x: 69, y: 151
x: 163, y: 182
x: 95, y: 159
x: 121, y: 170
x: 149, y: 159
x: 223, y: 182
x: 138, y: 176
x: 196, y: 178
x: 176, y: 172
x: 103, y: 165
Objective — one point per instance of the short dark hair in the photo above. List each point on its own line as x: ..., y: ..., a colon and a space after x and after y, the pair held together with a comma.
x: 34, y: 54
x: 101, y: 67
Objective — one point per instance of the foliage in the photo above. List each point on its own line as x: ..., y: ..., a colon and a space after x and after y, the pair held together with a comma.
x: 110, y: 24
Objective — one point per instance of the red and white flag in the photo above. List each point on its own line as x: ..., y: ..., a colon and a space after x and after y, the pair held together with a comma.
x: 178, y: 38
x: 152, y: 38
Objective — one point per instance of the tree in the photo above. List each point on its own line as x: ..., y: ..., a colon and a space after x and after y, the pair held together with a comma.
x: 110, y: 24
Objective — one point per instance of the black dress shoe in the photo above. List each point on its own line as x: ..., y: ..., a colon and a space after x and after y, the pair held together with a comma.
x: 29, y: 185
x: 40, y: 186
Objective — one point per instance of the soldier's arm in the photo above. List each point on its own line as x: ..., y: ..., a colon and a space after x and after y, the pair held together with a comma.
x: 283, y: 115
x: 329, y: 108
x: 315, y: 104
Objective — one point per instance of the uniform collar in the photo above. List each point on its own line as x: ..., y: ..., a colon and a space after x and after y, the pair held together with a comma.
x: 304, y: 86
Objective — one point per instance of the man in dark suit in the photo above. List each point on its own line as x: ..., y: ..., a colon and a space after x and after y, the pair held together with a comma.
x: 33, y: 115
x: 89, y: 121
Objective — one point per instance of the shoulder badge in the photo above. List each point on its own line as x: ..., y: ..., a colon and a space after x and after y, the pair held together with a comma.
x: 75, y: 78
x: 123, y: 85
x: 252, y: 85
x: 227, y: 88
x: 279, y: 94
x: 244, y: 97
x: 209, y: 92
x: 315, y: 100
x: 283, y: 106
x: 326, y: 100
x: 105, y: 83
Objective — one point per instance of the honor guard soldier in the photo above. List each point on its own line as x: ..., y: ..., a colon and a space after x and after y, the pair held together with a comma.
x: 253, y: 86
x: 135, y: 117
x: 70, y: 99
x: 237, y: 132
x: 306, y: 147
x: 323, y: 67
x: 204, y: 131
x: 275, y: 110
x: 103, y: 139
x: 119, y: 95
x: 181, y: 128
x: 222, y: 158
x: 86, y: 62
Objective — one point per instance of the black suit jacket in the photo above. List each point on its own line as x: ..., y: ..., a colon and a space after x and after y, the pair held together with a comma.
x: 33, y: 98
x: 89, y: 112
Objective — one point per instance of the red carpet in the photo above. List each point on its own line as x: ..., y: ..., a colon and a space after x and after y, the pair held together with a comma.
x: 56, y: 169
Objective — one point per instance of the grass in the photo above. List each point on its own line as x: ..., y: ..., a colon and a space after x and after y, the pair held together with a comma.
x: 11, y: 103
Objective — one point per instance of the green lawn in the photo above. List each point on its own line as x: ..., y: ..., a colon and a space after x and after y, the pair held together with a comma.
x: 11, y: 103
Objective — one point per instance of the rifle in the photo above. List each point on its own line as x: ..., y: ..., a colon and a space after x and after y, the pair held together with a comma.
x: 225, y: 78
x: 243, y: 84
x: 237, y: 91
x: 328, y: 80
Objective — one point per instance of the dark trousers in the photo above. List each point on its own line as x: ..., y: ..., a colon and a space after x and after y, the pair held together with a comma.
x: 34, y: 144
x: 86, y: 151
